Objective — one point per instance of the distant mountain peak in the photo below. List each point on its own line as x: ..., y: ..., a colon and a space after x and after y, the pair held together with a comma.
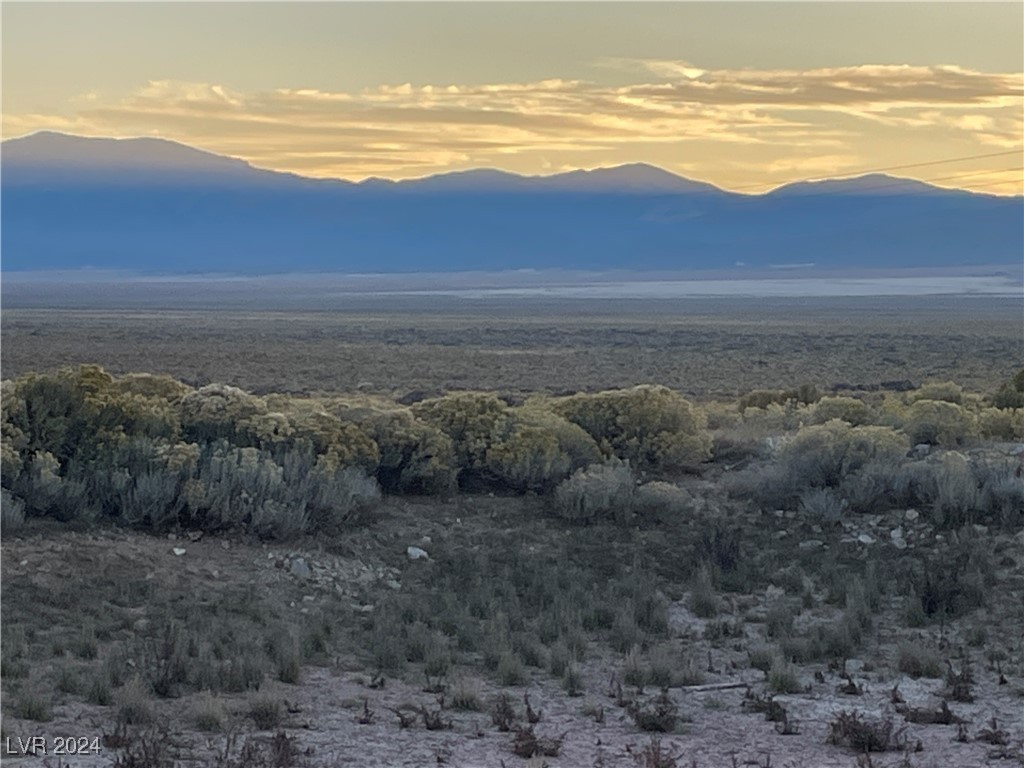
x: 870, y: 183
x: 632, y: 178
x: 144, y: 153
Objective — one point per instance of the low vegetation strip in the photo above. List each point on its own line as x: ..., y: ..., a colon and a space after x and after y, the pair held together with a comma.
x: 251, y: 560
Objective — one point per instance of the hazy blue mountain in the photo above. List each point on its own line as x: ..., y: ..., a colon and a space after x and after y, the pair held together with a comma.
x: 158, y: 206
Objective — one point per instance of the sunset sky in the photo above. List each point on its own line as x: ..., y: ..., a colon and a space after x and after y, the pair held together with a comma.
x: 744, y: 95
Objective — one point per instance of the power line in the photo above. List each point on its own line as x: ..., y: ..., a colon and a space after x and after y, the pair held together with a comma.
x: 866, y: 171
x: 994, y: 184
x: 976, y: 173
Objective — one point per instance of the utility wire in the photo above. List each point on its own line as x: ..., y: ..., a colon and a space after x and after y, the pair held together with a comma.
x: 866, y: 171
x: 896, y: 184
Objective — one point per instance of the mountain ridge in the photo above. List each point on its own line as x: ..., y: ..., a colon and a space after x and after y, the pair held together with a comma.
x: 153, y: 205
x: 69, y: 152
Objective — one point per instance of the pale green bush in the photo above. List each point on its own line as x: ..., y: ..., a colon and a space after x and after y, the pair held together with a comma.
x: 829, y: 455
x: 538, y: 449
x: 848, y: 409
x: 471, y: 420
x: 152, y: 386
x: 661, y: 500
x: 944, y: 391
x: 219, y: 411
x: 938, y: 422
x: 652, y: 427
x: 1000, y: 424
x: 415, y: 457
x: 762, y: 398
x: 603, y: 491
x: 822, y: 455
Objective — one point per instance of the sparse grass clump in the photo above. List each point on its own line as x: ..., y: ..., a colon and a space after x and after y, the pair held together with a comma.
x: 863, y: 735
x: 207, y: 713
x: 134, y: 706
x: 782, y: 677
x: 917, y: 661
x: 510, y: 670
x: 572, y: 680
x: 265, y: 711
x: 465, y: 695
x: 31, y: 705
x: 703, y: 601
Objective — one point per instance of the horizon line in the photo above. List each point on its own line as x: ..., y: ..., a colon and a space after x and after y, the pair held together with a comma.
x: 850, y: 176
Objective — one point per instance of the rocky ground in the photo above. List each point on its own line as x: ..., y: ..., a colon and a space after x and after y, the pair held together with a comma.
x: 339, y: 713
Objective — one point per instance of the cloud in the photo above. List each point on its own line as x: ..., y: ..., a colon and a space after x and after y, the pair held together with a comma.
x: 675, y: 109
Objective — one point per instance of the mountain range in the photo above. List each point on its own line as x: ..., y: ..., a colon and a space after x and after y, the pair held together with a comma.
x: 152, y: 205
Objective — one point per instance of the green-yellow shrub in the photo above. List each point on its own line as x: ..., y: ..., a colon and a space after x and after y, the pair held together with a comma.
x: 806, y: 394
x: 822, y: 455
x: 938, y: 422
x: 538, y: 449
x: 603, y: 491
x: 219, y: 411
x: 652, y: 427
x: 415, y: 457
x: 944, y: 391
x: 1000, y: 424
x: 471, y: 420
x: 848, y: 409
x: 153, y: 386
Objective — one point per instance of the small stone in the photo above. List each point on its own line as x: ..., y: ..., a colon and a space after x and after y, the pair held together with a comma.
x: 780, y: 513
x: 415, y: 553
x: 809, y: 544
x: 896, y: 533
x: 921, y: 450
x: 300, y: 568
x: 815, y: 529
x: 195, y: 535
x: 899, y: 543
x: 866, y: 539
x: 308, y: 599
x: 366, y: 609
x: 225, y: 544
x: 911, y: 515
x: 425, y: 540
x: 179, y: 551
x: 141, y: 625
x: 393, y: 584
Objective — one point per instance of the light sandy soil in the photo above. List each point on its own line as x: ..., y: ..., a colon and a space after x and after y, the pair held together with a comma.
x: 325, y: 707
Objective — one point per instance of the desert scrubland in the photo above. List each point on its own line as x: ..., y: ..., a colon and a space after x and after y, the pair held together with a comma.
x: 708, y: 533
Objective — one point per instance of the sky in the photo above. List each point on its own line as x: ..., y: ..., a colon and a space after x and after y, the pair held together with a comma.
x: 747, y: 96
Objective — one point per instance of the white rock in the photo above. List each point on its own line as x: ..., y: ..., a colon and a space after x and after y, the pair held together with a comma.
x: 179, y: 551
x: 896, y: 533
x: 809, y: 544
x: 300, y: 568
x: 415, y: 553
x: 899, y: 543
x: 911, y: 515
x: 866, y: 539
